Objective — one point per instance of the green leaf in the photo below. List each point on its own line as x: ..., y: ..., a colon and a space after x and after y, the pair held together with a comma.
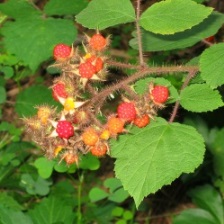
x: 44, y: 167
x: 217, y: 151
x: 89, y: 162
x: 101, y: 14
x: 8, y: 201
x: 172, y: 16
x: 8, y: 71
x: 212, y: 66
x: 158, y: 42
x: 2, y: 94
x: 52, y: 210
x: 155, y: 156
x: 118, y: 195
x: 69, y: 7
x: 128, y: 215
x: 200, y: 98
x: 97, y: 194
x: 24, y: 9
x: 196, y: 215
x: 9, y: 216
x: 32, y: 40
x: 61, y: 167
x: 118, y: 211
x: 142, y: 86
x: 112, y: 184
x: 31, y: 97
x: 207, y: 198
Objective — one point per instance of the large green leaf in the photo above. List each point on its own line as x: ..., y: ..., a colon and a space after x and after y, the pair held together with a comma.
x: 207, y: 198
x: 31, y: 97
x: 32, y: 40
x: 69, y: 7
x: 21, y: 9
x: 9, y: 216
x: 158, y: 42
x: 172, y: 16
x: 52, y: 210
x: 212, y: 66
x: 155, y: 156
x: 194, y: 216
x: 200, y: 98
x: 101, y: 14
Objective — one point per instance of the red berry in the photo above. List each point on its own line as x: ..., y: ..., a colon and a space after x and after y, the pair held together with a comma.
x: 65, y: 129
x: 115, y: 125
x: 160, y: 94
x: 97, y: 42
x: 90, y: 137
x: 142, y: 121
x: 99, y: 150
x: 59, y: 91
x: 126, y: 111
x: 62, y: 52
x: 87, y: 70
x: 97, y: 62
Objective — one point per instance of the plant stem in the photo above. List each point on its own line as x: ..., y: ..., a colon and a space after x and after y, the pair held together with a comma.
x: 139, y: 35
x: 79, y: 211
x: 191, y: 74
x: 139, y: 74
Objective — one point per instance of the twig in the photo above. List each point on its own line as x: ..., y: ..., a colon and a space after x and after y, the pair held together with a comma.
x: 191, y: 74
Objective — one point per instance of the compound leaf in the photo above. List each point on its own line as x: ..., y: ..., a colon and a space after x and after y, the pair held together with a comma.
x: 52, y: 210
x: 32, y: 40
x: 212, y: 66
x: 68, y: 7
x: 200, y: 98
x: 101, y: 14
x: 155, y: 156
x: 171, y: 16
x: 187, y: 38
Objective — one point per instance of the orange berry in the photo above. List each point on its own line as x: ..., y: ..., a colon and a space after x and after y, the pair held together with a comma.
x: 99, y: 150
x: 97, y: 42
x: 71, y: 158
x: 142, y: 121
x: 90, y: 136
x: 115, y: 125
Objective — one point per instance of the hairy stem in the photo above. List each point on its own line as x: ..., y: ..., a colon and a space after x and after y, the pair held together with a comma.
x: 139, y: 35
x: 191, y: 74
x: 139, y: 74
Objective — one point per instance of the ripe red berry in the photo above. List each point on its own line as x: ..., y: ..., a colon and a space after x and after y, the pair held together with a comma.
x: 87, y: 70
x: 142, y: 121
x: 97, y: 42
x: 99, y: 150
x: 62, y: 52
x: 97, y: 62
x: 59, y: 91
x: 126, y: 111
x: 160, y: 94
x: 115, y: 125
x: 65, y: 129
x: 90, y: 137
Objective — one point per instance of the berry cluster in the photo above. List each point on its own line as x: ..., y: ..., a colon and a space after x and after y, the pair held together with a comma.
x: 76, y: 129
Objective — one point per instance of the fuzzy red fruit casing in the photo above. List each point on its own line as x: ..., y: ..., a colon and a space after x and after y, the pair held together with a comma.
x: 59, y: 90
x: 126, y: 111
x: 87, y: 70
x: 62, y: 52
x: 97, y: 42
x: 160, y: 94
x: 65, y: 129
x: 142, y: 121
